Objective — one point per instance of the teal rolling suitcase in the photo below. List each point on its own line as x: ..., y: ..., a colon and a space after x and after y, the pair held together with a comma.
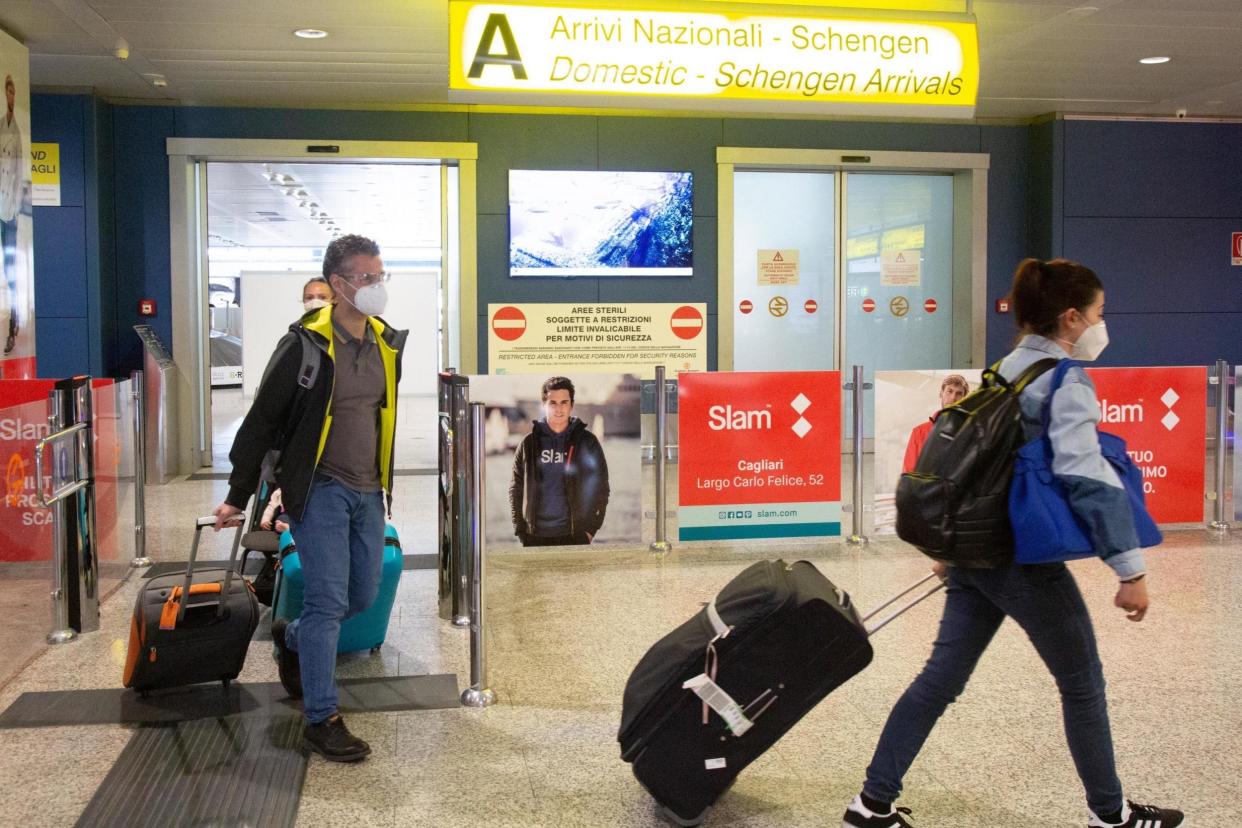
x: 365, y: 631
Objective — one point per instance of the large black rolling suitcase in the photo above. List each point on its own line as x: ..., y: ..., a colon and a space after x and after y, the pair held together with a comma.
x: 713, y: 695
x: 176, y: 640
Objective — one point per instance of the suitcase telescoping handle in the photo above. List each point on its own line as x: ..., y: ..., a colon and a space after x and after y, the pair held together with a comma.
x: 210, y: 520
x: 875, y: 626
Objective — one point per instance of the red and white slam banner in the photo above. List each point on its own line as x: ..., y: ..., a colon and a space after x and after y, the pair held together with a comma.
x: 759, y: 455
x: 1161, y: 413
x: 25, y: 523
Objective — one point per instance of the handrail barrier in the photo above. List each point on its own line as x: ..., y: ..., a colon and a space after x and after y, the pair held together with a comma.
x: 453, y: 497
x: 857, y: 386
x: 661, y: 544
x: 1220, y: 517
x: 478, y: 694
x: 138, y: 396
x: 75, y: 565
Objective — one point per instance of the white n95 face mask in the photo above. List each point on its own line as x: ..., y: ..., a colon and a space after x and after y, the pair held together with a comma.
x: 371, y: 299
x: 1092, y: 343
x: 314, y: 304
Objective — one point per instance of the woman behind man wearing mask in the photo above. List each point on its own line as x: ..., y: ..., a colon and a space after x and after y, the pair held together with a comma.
x: 1059, y: 308
x: 316, y: 294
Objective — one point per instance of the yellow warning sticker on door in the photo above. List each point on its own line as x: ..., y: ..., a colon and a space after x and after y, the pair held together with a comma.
x: 778, y: 267
x: 901, y: 268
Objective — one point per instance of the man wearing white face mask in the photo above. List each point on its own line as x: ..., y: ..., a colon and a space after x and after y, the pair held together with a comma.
x: 333, y: 421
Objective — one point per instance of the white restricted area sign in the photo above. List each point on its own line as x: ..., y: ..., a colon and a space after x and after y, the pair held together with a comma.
x: 599, y: 338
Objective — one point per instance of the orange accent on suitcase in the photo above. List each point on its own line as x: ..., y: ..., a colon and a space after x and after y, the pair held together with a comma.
x: 168, y: 616
x: 135, y: 647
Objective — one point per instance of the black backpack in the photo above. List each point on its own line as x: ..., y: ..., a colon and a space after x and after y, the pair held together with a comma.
x: 954, y: 506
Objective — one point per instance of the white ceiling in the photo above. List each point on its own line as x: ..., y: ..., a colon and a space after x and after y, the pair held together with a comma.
x: 291, y: 205
x: 1038, y: 56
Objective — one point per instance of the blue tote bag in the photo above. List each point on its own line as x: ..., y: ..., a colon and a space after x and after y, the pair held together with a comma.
x: 1045, y: 528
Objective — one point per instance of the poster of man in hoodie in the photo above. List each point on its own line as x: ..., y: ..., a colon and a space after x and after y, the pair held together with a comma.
x: 562, y: 459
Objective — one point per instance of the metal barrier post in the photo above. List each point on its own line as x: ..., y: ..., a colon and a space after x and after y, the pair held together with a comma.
x: 1220, y: 520
x: 478, y: 694
x: 61, y: 632
x: 453, y: 494
x: 139, y: 397
x: 80, y: 509
x: 661, y: 544
x: 858, y: 386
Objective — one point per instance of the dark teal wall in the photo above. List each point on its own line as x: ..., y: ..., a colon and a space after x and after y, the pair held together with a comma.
x: 1047, y: 184
x: 62, y: 308
x: 74, y: 257
x: 1150, y: 206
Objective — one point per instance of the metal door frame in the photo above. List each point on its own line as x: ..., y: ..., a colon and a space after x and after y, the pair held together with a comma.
x: 187, y: 193
x: 970, y: 202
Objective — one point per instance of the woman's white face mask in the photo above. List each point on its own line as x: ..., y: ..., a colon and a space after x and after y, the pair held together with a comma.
x: 315, y: 304
x: 1092, y: 343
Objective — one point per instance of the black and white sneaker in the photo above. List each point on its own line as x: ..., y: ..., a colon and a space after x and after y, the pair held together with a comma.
x: 1134, y: 815
x: 859, y: 815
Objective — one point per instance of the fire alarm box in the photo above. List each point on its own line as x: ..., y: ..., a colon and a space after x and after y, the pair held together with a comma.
x: 146, y: 307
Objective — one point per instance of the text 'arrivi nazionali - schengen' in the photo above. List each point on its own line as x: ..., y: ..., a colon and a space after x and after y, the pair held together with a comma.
x: 764, y: 73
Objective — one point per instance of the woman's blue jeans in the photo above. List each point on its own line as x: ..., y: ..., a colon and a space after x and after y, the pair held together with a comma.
x: 340, y: 541
x: 1045, y: 601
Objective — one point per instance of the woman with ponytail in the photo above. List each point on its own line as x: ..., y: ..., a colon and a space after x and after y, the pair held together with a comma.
x: 1059, y: 308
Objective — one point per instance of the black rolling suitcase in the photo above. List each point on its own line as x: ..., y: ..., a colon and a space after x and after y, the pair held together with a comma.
x: 175, y: 640
x: 713, y: 695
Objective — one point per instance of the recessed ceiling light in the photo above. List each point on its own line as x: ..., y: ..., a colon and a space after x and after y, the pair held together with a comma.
x: 1155, y: 59
x: 311, y: 34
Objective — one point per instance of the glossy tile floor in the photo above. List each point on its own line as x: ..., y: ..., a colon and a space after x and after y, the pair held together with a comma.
x: 566, y: 628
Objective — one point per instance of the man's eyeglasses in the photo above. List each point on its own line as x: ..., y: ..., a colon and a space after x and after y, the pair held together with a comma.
x: 366, y: 278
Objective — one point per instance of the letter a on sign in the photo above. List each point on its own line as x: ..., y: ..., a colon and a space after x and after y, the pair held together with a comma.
x: 497, y: 23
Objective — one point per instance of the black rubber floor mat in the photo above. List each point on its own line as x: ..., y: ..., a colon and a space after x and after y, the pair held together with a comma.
x: 205, y: 701
x: 241, y: 770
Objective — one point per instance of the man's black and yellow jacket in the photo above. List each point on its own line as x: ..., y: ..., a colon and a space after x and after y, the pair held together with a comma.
x: 295, y: 419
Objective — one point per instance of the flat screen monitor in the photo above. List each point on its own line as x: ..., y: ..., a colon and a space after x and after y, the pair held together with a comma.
x: 600, y: 223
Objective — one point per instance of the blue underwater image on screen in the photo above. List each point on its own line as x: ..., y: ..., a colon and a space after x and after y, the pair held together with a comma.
x: 599, y: 223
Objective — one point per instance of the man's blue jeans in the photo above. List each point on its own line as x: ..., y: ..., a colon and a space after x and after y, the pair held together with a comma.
x: 1045, y: 602
x: 340, y: 541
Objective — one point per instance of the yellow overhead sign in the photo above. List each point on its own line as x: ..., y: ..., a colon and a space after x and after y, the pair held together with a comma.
x: 847, y: 62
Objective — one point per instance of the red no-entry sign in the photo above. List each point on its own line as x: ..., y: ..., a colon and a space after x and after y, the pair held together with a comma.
x: 930, y: 305
x: 745, y: 306
x: 687, y: 322
x: 868, y: 305
x: 811, y: 306
x: 509, y: 323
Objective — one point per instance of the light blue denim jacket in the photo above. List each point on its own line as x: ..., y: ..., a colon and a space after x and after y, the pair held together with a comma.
x: 1095, y: 491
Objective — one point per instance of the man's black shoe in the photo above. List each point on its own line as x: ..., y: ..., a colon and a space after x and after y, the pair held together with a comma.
x: 333, y: 741
x: 287, y: 661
